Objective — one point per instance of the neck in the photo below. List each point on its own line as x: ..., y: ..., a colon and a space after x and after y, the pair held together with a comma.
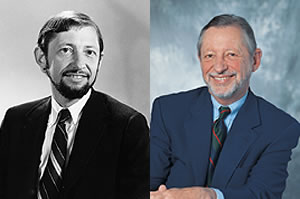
x: 231, y: 100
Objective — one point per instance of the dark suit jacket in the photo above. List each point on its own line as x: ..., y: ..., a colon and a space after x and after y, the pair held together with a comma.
x: 253, y: 161
x: 110, y: 156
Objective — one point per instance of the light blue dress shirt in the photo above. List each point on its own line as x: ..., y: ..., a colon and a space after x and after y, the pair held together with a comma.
x: 234, y: 107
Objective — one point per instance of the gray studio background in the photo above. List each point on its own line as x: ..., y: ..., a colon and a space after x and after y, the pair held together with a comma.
x: 174, y: 66
x: 125, y: 69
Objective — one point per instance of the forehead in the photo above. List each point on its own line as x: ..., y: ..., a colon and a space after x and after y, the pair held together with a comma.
x: 85, y: 36
x: 228, y: 36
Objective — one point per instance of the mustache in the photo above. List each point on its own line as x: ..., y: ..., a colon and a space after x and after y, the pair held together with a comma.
x: 76, y: 72
x: 71, y: 70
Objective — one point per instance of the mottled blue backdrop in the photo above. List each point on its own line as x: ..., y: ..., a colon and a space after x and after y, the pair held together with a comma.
x: 175, y: 26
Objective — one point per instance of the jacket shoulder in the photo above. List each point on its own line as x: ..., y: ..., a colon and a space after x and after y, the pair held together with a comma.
x: 183, y: 98
x: 274, y: 114
x: 23, y: 109
x: 116, y: 108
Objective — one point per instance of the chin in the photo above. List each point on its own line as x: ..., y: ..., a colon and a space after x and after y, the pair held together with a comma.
x: 73, y: 92
x: 223, y: 95
x: 222, y: 92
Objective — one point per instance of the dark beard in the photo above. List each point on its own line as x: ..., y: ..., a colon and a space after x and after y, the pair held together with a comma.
x: 67, y: 91
x: 71, y: 93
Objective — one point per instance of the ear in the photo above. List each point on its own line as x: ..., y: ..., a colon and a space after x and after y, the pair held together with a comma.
x: 256, y: 59
x: 40, y: 59
x: 199, y: 56
x: 100, y: 61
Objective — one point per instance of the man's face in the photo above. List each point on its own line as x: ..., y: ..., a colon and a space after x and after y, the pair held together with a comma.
x: 226, y: 64
x: 72, y: 60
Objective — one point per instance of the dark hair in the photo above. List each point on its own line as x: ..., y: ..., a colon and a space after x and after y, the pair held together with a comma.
x: 231, y: 20
x: 64, y: 21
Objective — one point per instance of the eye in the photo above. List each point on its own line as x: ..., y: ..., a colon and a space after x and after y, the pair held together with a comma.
x: 208, y: 56
x: 90, y: 53
x: 232, y: 54
x: 66, y: 50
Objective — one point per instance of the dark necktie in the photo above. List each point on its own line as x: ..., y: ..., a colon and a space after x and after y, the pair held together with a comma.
x: 51, y: 182
x: 219, y: 132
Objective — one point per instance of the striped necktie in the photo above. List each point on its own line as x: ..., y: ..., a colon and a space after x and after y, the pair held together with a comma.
x: 219, y: 132
x: 51, y: 182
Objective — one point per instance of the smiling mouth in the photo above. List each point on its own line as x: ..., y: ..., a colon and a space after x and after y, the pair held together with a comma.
x: 222, y: 78
x: 76, y: 76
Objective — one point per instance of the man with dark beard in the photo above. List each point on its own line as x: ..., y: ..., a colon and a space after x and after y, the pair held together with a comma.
x: 78, y: 143
x: 221, y: 141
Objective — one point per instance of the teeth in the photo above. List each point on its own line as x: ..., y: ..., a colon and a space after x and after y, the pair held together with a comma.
x: 76, y: 76
x: 221, y: 78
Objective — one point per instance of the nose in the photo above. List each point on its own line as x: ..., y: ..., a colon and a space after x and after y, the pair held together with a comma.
x: 79, y: 60
x: 220, y: 65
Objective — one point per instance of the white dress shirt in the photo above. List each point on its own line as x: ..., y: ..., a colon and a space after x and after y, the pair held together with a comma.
x: 76, y: 111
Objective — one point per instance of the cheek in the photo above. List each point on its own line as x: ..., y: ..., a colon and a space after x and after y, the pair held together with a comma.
x: 205, y: 67
x: 237, y: 67
x: 93, y: 69
x: 59, y: 64
x: 56, y: 67
x: 245, y: 69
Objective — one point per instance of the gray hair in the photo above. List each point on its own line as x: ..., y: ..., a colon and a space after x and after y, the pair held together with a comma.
x: 231, y: 20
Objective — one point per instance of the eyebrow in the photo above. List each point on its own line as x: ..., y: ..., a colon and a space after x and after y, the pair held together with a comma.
x: 65, y: 44
x: 232, y: 49
x: 92, y: 46
x: 72, y: 45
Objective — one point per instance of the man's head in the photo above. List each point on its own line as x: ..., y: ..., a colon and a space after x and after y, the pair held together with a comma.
x: 69, y: 51
x: 228, y: 55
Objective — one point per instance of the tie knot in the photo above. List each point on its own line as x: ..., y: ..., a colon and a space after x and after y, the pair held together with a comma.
x: 64, y: 115
x: 224, y: 112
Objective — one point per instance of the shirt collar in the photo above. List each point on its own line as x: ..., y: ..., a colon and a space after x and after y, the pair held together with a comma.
x: 234, y: 107
x: 74, y: 109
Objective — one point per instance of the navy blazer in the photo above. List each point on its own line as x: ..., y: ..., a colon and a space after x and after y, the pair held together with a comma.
x: 110, y: 156
x: 254, y: 158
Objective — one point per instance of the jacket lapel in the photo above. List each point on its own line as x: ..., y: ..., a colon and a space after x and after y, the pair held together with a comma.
x: 197, y: 127
x: 90, y: 129
x: 240, y: 138
x: 32, y: 137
